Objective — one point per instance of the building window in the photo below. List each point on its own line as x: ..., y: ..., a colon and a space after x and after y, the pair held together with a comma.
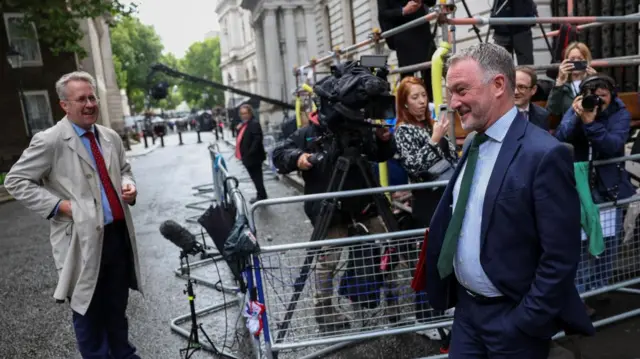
x: 23, y: 38
x: 326, y: 19
x: 38, y: 110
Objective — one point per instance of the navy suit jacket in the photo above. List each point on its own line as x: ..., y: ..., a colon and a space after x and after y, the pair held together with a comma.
x: 530, y: 234
x: 539, y: 116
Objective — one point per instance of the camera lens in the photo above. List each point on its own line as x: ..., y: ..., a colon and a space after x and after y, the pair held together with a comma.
x: 589, y: 102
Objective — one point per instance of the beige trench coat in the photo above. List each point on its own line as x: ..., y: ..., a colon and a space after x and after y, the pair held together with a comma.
x: 55, y: 166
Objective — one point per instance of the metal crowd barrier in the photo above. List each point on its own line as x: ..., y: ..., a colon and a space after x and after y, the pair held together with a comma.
x: 237, y: 297
x: 390, y: 306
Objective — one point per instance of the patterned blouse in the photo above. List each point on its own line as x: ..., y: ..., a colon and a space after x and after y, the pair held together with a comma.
x: 416, y: 153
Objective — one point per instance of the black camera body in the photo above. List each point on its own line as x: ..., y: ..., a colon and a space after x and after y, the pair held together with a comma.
x: 590, y: 101
x: 588, y: 87
x: 355, y: 91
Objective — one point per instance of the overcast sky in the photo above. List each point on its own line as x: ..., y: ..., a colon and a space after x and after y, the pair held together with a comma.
x: 179, y: 22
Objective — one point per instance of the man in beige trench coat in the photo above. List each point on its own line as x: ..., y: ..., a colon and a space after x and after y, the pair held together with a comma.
x: 76, y: 175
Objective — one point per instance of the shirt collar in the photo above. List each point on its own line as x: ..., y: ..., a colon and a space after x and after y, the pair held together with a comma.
x: 81, y: 131
x: 499, y: 129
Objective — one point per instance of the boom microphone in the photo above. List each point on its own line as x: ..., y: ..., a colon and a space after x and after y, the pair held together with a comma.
x: 181, y: 237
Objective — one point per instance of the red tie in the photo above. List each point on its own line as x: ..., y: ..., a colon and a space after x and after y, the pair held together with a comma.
x: 112, y: 196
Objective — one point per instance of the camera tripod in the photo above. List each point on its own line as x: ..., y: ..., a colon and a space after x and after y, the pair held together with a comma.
x: 351, y: 156
x: 193, y: 344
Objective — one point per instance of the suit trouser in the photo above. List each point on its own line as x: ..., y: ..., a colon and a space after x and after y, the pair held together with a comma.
x: 487, y: 331
x: 520, y: 43
x: 255, y: 172
x: 103, y: 332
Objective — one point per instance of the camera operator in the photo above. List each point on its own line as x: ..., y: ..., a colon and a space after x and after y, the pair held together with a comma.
x: 306, y: 151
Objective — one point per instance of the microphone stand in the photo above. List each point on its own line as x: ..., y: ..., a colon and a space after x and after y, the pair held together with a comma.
x: 193, y: 345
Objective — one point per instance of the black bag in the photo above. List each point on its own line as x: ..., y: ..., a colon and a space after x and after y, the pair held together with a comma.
x: 219, y: 218
x: 241, y: 242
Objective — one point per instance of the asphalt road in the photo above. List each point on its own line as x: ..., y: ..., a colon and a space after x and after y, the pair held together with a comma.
x: 33, y: 326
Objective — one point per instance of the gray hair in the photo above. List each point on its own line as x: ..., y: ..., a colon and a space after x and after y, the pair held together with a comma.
x: 61, y: 84
x: 247, y: 107
x: 493, y: 59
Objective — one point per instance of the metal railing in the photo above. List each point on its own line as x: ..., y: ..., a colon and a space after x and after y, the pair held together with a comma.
x: 238, y: 298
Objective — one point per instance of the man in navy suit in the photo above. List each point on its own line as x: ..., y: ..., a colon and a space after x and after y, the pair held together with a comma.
x: 504, y: 242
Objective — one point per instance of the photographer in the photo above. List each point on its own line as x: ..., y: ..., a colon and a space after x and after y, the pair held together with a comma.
x: 597, y: 126
x: 297, y: 153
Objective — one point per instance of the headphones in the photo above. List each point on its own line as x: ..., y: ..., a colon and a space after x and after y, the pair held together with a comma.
x: 597, y: 81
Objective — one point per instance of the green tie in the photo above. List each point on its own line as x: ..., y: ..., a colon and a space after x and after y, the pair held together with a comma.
x: 450, y: 244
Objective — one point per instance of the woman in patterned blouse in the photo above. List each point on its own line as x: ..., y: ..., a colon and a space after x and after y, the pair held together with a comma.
x: 421, y: 143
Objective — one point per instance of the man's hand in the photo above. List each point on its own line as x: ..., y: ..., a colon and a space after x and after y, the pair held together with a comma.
x: 411, y: 7
x: 129, y: 193
x: 65, y: 208
x: 586, y: 116
x: 383, y: 134
x: 303, y: 162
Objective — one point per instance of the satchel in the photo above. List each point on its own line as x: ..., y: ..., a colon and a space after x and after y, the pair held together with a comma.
x: 443, y: 169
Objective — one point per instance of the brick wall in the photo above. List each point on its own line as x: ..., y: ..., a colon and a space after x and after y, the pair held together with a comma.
x: 13, y: 133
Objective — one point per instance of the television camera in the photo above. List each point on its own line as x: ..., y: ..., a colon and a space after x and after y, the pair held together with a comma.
x: 356, y: 92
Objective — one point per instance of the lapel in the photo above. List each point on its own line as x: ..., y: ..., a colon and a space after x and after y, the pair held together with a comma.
x: 510, y: 146
x: 75, y: 144
x: 106, y: 145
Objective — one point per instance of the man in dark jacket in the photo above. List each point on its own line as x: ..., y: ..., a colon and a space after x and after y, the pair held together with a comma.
x: 526, y: 87
x: 515, y: 38
x: 412, y: 46
x: 250, y: 149
x: 295, y: 154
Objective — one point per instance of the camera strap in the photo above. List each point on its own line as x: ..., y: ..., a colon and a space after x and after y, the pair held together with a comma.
x: 594, y: 178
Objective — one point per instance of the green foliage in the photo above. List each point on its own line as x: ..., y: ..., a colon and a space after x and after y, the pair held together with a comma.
x: 202, y: 60
x: 57, y: 20
x: 135, y: 48
x: 2, y: 177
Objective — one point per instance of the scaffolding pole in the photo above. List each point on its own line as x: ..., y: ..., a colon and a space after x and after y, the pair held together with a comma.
x: 432, y: 16
x: 555, y: 33
x: 632, y: 60
x: 478, y: 20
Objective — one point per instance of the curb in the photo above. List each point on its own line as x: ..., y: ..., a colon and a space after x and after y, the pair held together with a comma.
x: 291, y: 179
x: 144, y: 152
x: 5, y: 196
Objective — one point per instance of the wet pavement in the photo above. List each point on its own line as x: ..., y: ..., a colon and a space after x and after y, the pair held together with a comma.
x: 33, y: 326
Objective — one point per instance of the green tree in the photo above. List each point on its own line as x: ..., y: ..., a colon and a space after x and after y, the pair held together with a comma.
x: 57, y: 20
x: 202, y: 60
x: 135, y: 48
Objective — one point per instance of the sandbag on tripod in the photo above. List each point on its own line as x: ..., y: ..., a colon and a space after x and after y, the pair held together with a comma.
x: 363, y: 279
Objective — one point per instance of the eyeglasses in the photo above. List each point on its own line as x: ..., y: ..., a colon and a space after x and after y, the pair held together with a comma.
x: 89, y: 100
x: 523, y: 88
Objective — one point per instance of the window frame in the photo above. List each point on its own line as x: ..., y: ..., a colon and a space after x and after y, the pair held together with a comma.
x: 25, y: 63
x: 25, y: 108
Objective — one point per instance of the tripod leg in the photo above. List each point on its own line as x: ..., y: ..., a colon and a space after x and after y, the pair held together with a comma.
x: 319, y: 232
x: 382, y: 204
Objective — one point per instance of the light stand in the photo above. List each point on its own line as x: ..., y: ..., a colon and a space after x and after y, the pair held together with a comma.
x: 14, y: 58
x: 193, y: 344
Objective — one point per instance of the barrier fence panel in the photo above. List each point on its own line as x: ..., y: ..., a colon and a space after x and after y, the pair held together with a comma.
x: 233, y: 296
x: 368, y: 277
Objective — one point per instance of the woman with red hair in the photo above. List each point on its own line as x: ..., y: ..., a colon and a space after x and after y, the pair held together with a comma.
x: 421, y: 143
